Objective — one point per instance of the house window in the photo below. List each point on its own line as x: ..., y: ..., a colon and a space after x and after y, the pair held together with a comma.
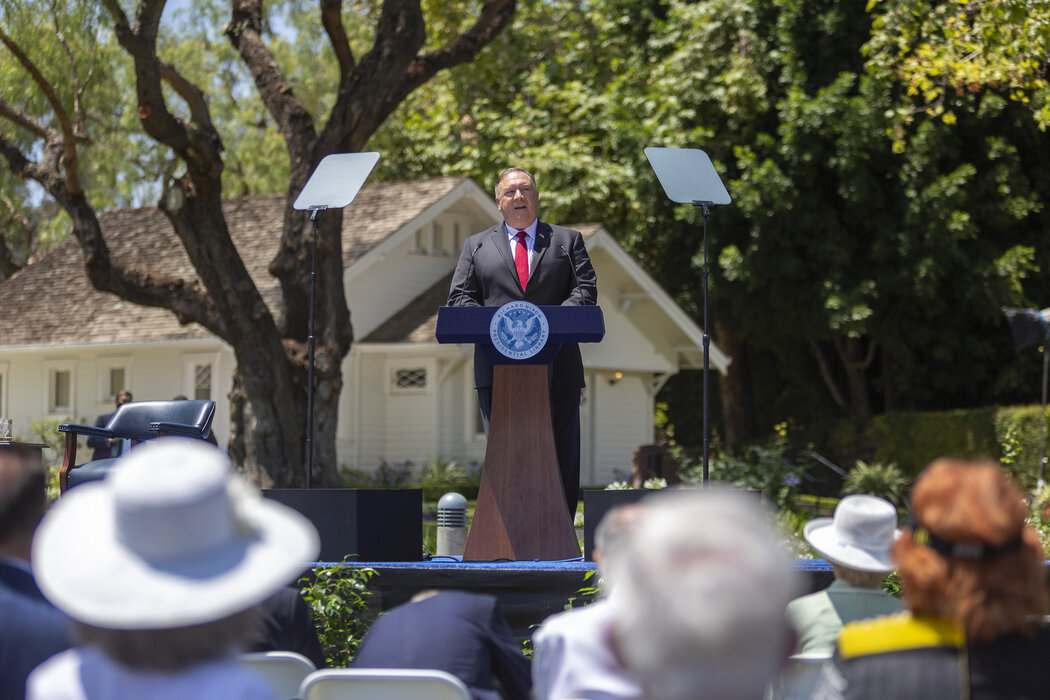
x: 199, y: 375
x: 3, y: 390
x: 114, y: 376
x: 202, y: 382
x: 117, y: 383
x: 410, y: 378
x: 60, y: 390
x: 437, y: 239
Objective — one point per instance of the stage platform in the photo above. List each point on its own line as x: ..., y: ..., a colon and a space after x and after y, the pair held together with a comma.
x: 528, y: 591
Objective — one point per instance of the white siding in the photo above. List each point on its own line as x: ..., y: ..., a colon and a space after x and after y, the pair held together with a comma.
x: 372, y: 418
x: 153, y: 371
x: 409, y: 414
x: 623, y: 421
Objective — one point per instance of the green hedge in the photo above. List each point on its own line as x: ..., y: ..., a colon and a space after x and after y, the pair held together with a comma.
x: 912, y: 439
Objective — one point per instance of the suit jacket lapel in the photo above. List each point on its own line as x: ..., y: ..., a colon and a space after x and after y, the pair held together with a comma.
x: 502, y: 243
x: 539, y: 248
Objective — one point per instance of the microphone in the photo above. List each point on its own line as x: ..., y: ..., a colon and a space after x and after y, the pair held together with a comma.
x: 572, y: 268
x: 470, y: 268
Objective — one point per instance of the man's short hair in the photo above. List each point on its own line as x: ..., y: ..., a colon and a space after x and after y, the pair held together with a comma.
x: 22, y: 494
x: 702, y: 604
x: 508, y: 171
x: 611, y: 539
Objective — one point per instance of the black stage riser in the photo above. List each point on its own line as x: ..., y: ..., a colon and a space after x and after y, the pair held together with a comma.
x: 368, y: 524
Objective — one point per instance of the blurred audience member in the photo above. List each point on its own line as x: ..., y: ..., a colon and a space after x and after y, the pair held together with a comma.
x: 857, y: 542
x: 461, y: 633
x: 699, y: 613
x: 107, y: 448
x: 161, y: 566
x: 975, y: 588
x: 573, y: 653
x: 286, y: 624
x: 31, y: 629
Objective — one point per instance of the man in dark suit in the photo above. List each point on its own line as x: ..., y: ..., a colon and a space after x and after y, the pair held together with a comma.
x: 461, y: 633
x: 31, y: 629
x: 524, y: 258
x: 107, y: 448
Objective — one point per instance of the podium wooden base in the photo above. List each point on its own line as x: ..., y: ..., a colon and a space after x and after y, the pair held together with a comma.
x: 521, y: 512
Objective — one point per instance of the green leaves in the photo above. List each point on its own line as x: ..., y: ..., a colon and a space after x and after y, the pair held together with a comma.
x: 340, y: 601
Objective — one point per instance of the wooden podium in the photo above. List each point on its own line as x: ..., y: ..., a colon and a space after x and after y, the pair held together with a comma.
x: 521, y: 512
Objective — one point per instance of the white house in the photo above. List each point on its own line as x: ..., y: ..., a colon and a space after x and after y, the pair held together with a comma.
x: 66, y: 349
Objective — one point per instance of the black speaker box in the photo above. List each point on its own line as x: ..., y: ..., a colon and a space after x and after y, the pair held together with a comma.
x: 373, y: 525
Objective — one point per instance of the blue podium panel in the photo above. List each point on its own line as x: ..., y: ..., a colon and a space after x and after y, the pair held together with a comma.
x: 568, y: 324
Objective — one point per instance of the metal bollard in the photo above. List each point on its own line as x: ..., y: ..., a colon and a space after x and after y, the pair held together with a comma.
x: 452, y: 525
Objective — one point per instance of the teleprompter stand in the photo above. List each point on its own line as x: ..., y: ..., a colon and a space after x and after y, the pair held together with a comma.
x: 334, y: 184
x: 688, y: 177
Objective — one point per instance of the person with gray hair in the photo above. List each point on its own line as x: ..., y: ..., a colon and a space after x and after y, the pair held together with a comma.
x: 572, y: 652
x: 700, y: 611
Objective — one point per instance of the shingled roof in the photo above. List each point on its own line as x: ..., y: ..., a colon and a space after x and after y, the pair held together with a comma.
x: 52, y: 302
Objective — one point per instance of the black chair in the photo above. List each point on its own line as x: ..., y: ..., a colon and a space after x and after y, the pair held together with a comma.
x: 135, y: 421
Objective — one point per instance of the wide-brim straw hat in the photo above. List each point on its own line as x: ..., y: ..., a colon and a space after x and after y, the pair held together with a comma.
x: 169, y: 539
x: 859, y: 536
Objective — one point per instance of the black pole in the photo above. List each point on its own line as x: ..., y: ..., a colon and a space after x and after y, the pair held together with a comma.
x: 310, y: 344
x: 706, y: 340
x: 1042, y: 416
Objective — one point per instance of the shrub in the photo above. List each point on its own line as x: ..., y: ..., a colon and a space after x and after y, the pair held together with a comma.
x: 339, y: 599
x: 1019, y: 431
x: 393, y: 476
x: 440, y: 476
x: 913, y: 439
x: 761, y: 467
x: 878, y: 479
x: 45, y: 431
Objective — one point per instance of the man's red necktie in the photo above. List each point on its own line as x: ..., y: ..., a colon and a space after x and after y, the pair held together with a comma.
x: 521, y: 260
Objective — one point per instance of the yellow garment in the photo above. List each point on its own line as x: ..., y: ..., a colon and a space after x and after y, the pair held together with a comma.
x: 897, y: 633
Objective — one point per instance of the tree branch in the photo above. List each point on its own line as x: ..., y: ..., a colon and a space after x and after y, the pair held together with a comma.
x: 46, y: 172
x: 192, y: 94
x: 332, y: 19
x: 293, y: 121
x: 9, y: 262
x: 495, y: 15
x: 825, y: 372
x: 19, y: 118
x: 140, y: 43
x: 69, y: 154
x: 74, y: 66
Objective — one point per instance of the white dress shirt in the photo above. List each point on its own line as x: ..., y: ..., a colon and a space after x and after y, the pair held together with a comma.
x: 530, y: 239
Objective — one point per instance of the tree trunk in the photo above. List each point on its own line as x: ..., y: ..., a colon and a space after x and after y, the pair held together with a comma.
x: 268, y: 402
x: 738, y: 411
x: 856, y: 360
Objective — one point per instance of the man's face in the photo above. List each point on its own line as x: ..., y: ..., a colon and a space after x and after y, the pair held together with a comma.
x: 518, y: 200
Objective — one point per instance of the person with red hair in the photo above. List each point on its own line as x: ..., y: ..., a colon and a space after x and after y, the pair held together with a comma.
x: 974, y: 585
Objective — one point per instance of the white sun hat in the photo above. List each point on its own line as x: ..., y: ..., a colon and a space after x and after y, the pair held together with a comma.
x: 170, y: 538
x: 860, y: 534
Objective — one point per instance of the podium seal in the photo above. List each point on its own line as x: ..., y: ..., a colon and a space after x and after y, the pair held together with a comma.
x: 519, y: 330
